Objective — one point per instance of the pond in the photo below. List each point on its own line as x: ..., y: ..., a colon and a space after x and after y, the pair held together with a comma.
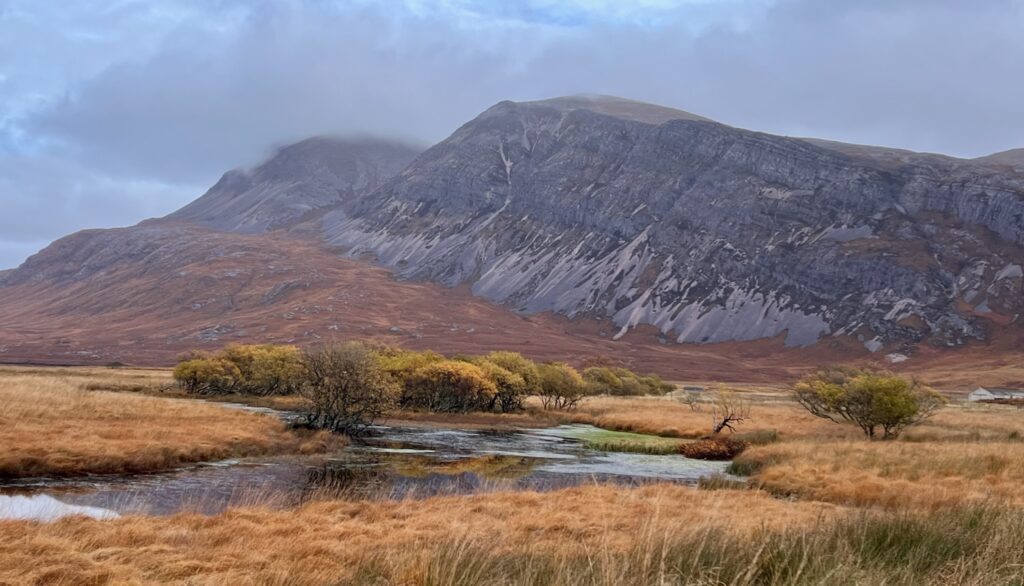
x: 392, y: 462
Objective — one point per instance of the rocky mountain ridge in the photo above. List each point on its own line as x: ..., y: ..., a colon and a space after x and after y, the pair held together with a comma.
x: 621, y: 213
x: 296, y: 182
x: 1013, y: 158
x: 708, y: 232
x: 147, y: 294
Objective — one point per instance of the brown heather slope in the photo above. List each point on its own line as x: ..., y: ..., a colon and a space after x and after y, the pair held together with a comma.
x: 143, y: 295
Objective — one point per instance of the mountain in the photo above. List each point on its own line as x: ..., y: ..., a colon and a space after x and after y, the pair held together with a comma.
x: 296, y: 182
x: 707, y: 232
x: 575, y: 227
x: 618, y: 108
x: 1012, y: 158
x: 149, y: 293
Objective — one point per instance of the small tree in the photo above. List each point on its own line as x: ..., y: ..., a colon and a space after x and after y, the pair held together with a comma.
x: 509, y: 386
x: 606, y: 380
x: 602, y: 380
x: 561, y: 386
x: 449, y: 386
x: 511, y: 398
x: 205, y: 375
x: 266, y: 369
x: 728, y: 409
x: 345, y: 388
x: 873, y: 400
x: 401, y: 363
x: 242, y: 368
x: 691, y: 400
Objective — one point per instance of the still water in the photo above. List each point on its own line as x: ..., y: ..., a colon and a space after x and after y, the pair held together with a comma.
x: 393, y: 462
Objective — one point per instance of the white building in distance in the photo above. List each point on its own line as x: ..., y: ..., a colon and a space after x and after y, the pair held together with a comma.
x: 994, y: 394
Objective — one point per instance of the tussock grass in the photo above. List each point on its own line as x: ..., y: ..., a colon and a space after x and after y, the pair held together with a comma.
x: 595, y: 535
x: 965, y: 454
x: 940, y: 506
x: 890, y: 474
x: 758, y: 438
x: 780, y: 420
x: 50, y: 426
x: 962, y: 546
x: 98, y: 378
x: 443, y: 540
x: 721, y: 482
x: 472, y: 420
x: 668, y: 417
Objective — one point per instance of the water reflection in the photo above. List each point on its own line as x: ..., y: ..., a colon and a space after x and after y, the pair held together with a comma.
x: 392, y: 463
x: 43, y: 507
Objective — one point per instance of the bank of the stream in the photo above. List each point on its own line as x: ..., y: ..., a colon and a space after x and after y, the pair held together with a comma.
x: 392, y: 462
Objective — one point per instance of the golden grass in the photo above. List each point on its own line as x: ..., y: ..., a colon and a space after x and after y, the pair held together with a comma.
x: 970, y: 422
x: 51, y: 426
x: 324, y: 542
x: 669, y: 417
x: 98, y: 378
x: 891, y: 474
x: 964, y: 455
x: 473, y: 420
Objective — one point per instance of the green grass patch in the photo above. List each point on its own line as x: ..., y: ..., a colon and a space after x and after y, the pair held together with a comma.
x: 604, y: 440
x: 654, y: 449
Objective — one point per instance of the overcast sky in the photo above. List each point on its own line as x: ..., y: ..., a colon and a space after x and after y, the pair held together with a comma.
x: 112, y: 111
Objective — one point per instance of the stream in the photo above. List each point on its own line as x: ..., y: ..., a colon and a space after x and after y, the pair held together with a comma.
x: 392, y: 462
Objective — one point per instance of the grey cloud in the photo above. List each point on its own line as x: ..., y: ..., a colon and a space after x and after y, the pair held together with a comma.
x: 146, y: 120
x: 44, y: 198
x: 13, y: 252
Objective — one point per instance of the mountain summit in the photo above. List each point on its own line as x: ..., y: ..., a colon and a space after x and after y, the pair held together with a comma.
x: 650, y: 216
x: 298, y: 180
x: 614, y: 213
x: 617, y: 107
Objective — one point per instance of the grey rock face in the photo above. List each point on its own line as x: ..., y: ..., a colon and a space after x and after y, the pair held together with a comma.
x: 299, y: 180
x: 708, y: 232
x: 640, y: 215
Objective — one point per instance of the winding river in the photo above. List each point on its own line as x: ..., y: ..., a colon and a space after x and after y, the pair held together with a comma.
x: 392, y: 462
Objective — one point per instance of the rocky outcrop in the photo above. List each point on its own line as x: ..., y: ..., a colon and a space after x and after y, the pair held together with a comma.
x: 707, y: 232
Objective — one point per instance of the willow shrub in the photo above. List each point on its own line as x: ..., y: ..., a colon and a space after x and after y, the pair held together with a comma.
x: 248, y: 369
x: 449, y: 386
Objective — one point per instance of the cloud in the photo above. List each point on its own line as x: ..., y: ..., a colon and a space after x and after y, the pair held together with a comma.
x: 126, y: 109
x: 44, y: 198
